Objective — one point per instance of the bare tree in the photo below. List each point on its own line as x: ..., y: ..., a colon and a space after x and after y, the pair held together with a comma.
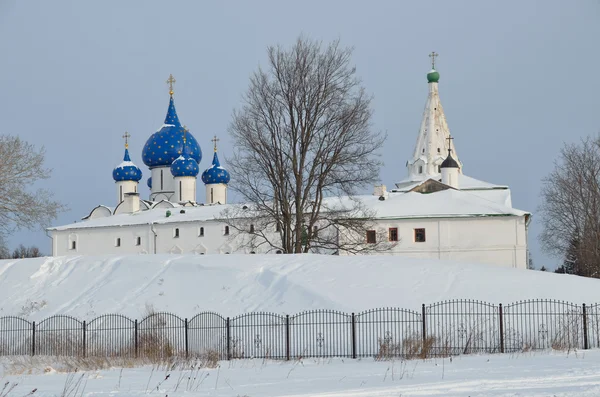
x: 571, y: 208
x: 21, y: 166
x: 26, y: 252
x: 303, y: 135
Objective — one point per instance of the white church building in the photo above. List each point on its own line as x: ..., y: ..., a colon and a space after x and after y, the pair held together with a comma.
x: 435, y: 212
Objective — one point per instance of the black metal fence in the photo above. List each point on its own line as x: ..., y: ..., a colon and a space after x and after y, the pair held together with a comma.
x: 440, y: 329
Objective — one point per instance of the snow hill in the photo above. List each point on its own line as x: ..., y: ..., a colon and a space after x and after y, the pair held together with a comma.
x: 88, y: 286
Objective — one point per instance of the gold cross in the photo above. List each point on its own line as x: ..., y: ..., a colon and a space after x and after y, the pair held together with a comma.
x: 170, y: 82
x: 185, y: 130
x: 126, y: 136
x: 432, y: 56
x: 214, y: 141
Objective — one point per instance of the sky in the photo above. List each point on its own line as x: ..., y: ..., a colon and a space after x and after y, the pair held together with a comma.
x: 517, y: 81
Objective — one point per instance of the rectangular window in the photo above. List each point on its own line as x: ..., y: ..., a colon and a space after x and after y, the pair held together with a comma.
x: 371, y: 237
x: 315, y: 231
x: 393, y: 234
x: 201, y: 234
x: 251, y: 228
x: 138, y: 241
x: 176, y: 233
x: 277, y: 227
x: 419, y: 235
x: 118, y: 242
x: 226, y: 230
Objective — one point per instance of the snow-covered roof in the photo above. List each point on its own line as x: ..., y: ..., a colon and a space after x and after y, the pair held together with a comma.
x: 464, y: 183
x: 448, y: 203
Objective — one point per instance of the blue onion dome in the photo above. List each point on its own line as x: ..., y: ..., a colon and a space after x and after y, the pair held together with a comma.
x: 149, y: 182
x: 165, y: 145
x: 216, y: 173
x: 127, y: 171
x: 185, y: 164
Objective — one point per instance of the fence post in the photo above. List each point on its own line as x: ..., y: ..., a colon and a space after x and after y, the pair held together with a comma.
x: 287, y: 337
x: 186, y: 339
x: 135, y: 337
x: 228, y: 339
x: 585, y: 329
x: 33, y: 339
x: 84, y: 329
x: 353, y: 336
x: 501, y: 328
x: 424, y: 326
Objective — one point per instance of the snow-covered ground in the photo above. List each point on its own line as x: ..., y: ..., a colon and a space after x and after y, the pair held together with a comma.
x: 524, y: 375
x: 86, y: 287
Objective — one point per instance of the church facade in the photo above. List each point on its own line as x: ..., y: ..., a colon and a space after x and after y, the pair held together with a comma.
x: 435, y: 212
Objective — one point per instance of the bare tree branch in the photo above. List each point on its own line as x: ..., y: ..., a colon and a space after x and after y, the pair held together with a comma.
x: 21, y: 166
x: 303, y: 134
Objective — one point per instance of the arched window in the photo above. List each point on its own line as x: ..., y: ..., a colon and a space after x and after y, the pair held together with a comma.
x: 251, y: 228
x: 161, y: 179
x: 138, y: 241
x: 278, y: 252
x: 420, y: 169
x: 212, y: 196
x: 73, y: 245
x: 118, y: 242
x: 226, y: 233
x: 201, y: 234
x: 176, y: 232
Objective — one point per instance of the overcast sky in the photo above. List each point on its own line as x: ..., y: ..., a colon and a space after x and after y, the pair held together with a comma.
x: 518, y: 78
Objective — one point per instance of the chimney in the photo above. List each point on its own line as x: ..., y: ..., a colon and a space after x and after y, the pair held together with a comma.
x: 131, y: 202
x: 380, y: 191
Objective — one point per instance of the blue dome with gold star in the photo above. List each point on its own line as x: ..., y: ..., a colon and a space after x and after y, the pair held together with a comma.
x: 185, y: 165
x: 165, y: 145
x: 127, y: 171
x: 216, y: 173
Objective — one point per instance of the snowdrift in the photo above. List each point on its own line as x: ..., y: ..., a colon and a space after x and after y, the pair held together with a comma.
x: 88, y: 286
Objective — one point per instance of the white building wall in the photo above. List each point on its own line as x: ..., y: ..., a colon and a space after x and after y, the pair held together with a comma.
x: 185, y: 189
x: 163, y: 184
x: 492, y: 240
x: 125, y: 187
x: 216, y: 193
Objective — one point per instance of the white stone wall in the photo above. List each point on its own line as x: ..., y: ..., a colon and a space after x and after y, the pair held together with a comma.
x: 185, y: 189
x: 167, y: 188
x: 123, y: 187
x: 492, y: 240
x: 216, y: 193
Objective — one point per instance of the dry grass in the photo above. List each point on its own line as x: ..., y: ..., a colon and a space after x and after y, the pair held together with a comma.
x: 411, y: 348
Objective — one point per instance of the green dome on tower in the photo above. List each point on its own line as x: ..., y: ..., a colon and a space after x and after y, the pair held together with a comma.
x: 433, y: 76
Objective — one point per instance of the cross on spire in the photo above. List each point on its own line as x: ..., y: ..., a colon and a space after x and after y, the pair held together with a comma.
x: 126, y: 136
x: 170, y: 82
x: 449, y: 139
x: 432, y: 56
x: 214, y: 141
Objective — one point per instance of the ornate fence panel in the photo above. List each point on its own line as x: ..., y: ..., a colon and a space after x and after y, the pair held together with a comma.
x: 161, y: 335
x: 321, y: 333
x: 15, y: 336
x: 111, y: 335
x: 388, y: 332
x: 59, y: 336
x: 258, y: 335
x: 462, y: 327
x: 593, y: 325
x: 207, y: 333
x: 542, y: 324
